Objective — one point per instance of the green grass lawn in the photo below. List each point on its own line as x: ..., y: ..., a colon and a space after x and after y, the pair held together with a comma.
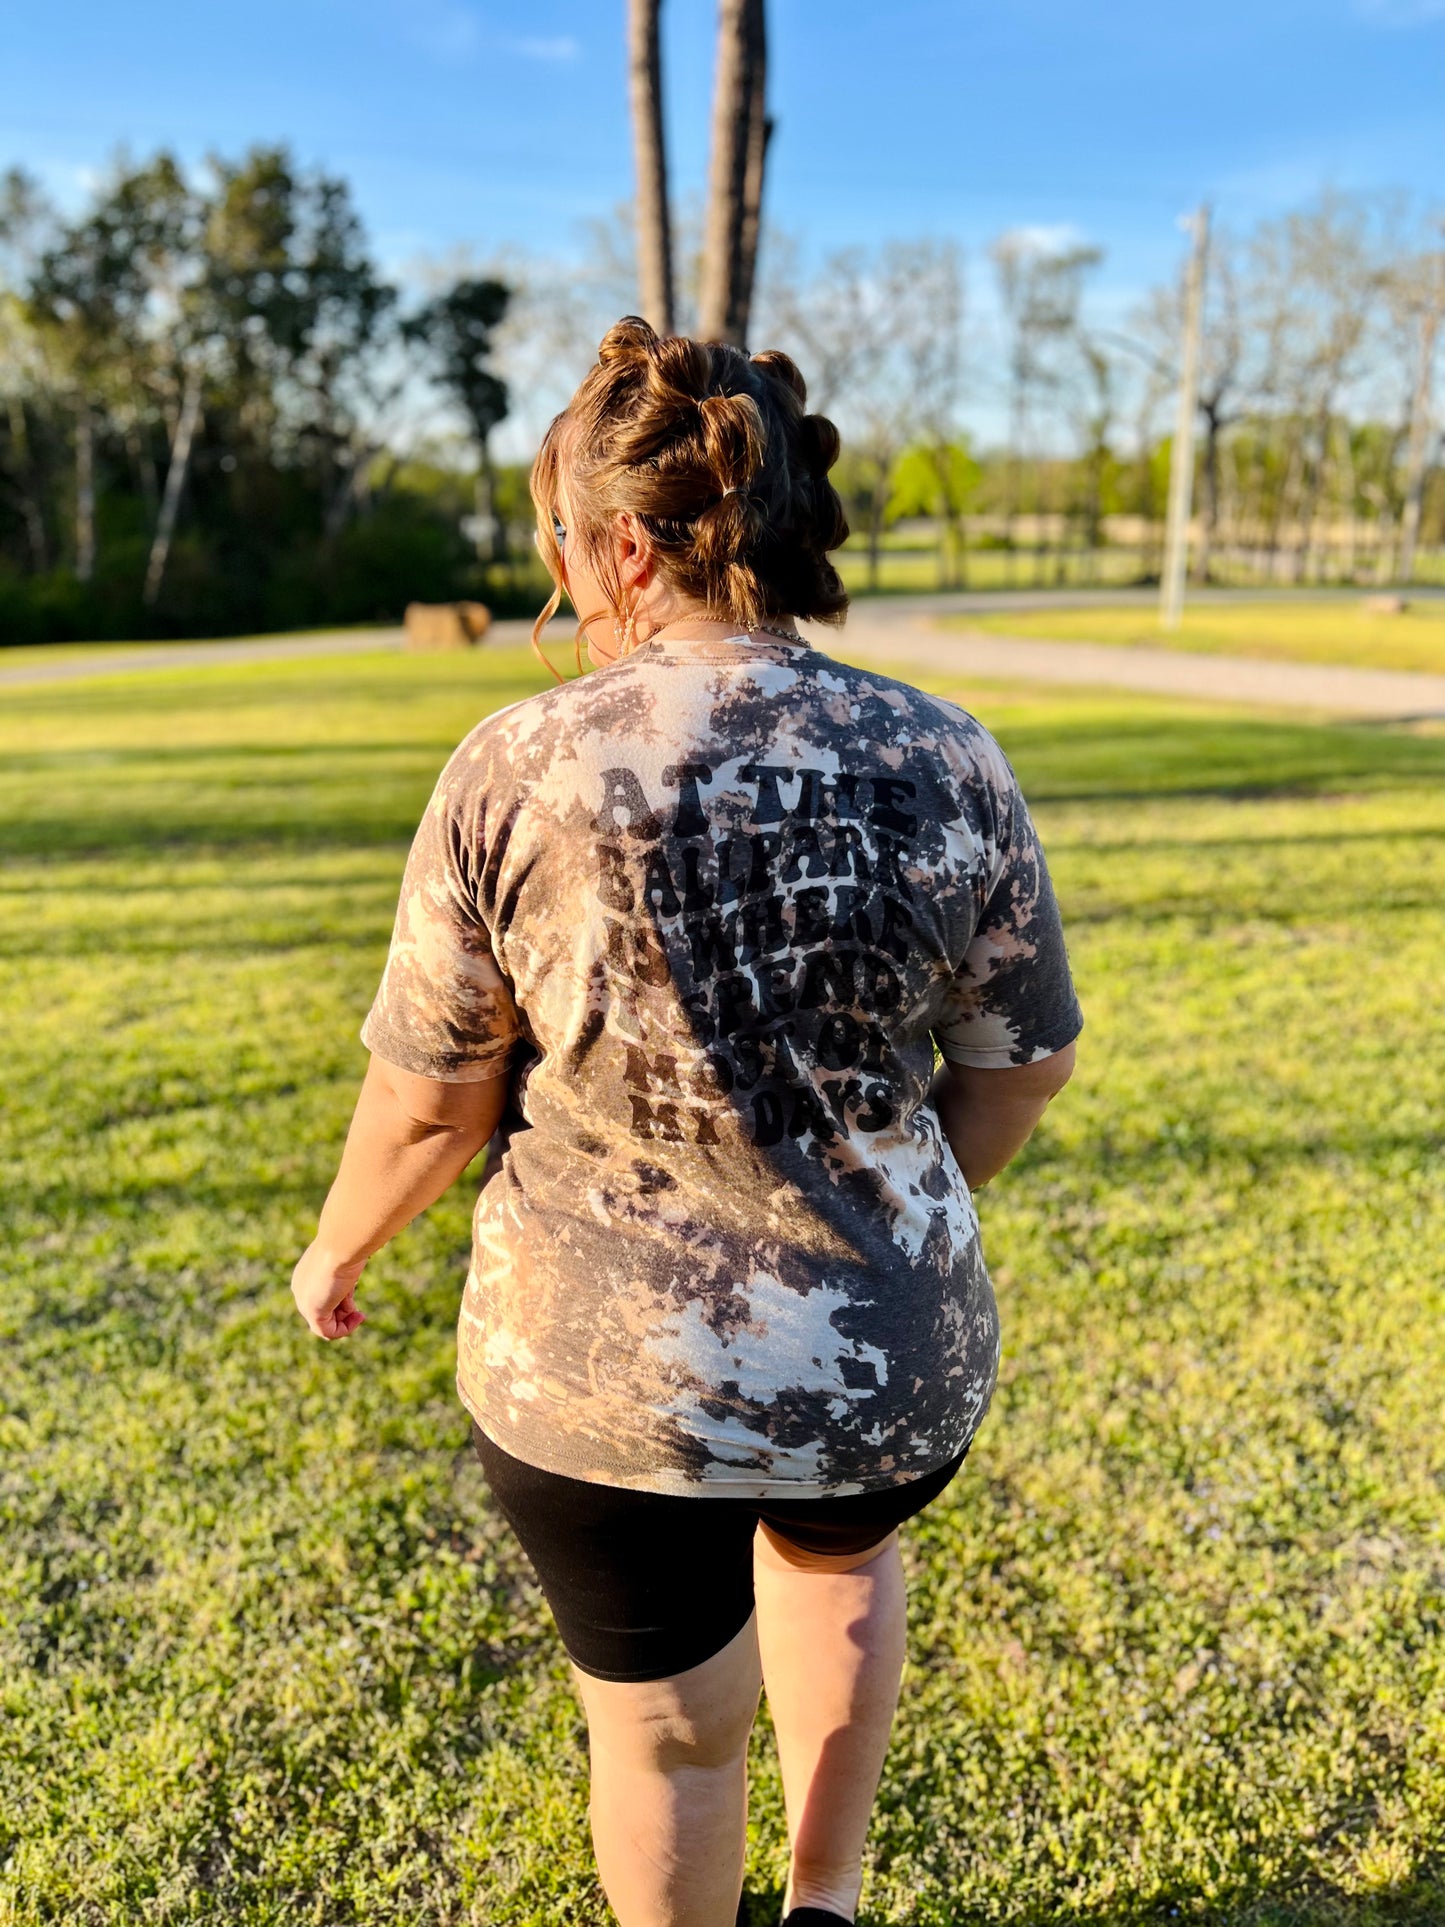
x: 1178, y: 1630
x: 1333, y: 632
x: 914, y: 570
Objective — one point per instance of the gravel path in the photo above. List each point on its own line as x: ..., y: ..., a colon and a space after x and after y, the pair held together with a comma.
x: 896, y: 632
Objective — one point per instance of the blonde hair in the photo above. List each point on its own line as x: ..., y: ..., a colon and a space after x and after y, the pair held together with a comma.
x: 715, y: 454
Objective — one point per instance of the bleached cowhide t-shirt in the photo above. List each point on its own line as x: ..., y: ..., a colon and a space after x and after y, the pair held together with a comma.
x: 710, y: 907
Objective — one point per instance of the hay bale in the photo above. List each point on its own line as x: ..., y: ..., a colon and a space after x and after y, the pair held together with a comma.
x: 475, y: 617
x: 1386, y: 605
x: 446, y: 625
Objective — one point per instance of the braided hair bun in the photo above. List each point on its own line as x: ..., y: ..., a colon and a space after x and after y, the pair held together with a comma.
x: 715, y: 453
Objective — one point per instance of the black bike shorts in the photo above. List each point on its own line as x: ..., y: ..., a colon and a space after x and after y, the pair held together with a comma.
x: 645, y: 1584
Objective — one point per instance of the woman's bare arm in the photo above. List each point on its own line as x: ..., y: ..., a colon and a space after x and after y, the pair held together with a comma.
x: 988, y: 1116
x: 410, y: 1138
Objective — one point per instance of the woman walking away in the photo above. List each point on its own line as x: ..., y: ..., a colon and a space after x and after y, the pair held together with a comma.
x: 687, y: 929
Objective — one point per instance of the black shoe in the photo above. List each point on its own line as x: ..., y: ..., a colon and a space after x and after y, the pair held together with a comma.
x: 814, y: 1917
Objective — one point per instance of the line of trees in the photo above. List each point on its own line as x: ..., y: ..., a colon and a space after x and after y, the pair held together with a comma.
x: 210, y: 398
x: 1321, y: 343
x: 200, y: 383
x: 1319, y: 443
x: 1318, y: 450
x: 209, y: 391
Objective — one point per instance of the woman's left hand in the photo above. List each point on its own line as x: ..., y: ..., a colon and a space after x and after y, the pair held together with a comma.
x: 325, y: 1293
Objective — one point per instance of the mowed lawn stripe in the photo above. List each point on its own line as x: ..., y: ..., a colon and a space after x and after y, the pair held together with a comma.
x: 1340, y: 631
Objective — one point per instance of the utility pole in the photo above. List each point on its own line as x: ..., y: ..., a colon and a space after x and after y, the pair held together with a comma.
x: 1181, y: 460
x: 1417, y: 461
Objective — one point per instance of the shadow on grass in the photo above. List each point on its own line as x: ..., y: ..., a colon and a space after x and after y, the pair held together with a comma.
x: 1123, y: 760
x: 143, y: 837
x: 240, y: 945
x: 481, y: 685
x: 350, y: 804
x: 97, y: 759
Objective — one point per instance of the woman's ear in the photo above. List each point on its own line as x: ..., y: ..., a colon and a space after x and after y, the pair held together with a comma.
x: 634, y: 552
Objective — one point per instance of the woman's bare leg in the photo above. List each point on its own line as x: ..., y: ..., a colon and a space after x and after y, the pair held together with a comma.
x: 669, y: 1804
x: 832, y: 1634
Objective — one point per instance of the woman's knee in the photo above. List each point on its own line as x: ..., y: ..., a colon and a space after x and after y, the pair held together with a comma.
x: 699, y: 1718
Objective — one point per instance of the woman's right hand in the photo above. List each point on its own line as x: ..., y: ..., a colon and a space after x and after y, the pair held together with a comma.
x: 325, y: 1293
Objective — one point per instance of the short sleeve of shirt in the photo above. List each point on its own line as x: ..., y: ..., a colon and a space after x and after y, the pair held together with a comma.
x: 1011, y: 999
x: 444, y: 1009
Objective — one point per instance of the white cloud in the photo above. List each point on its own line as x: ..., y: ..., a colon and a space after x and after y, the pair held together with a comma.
x: 1047, y: 238
x: 1400, y: 13
x: 451, y: 31
x: 560, y: 46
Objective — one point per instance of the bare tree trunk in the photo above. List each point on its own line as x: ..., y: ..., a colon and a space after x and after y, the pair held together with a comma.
x: 1233, y: 507
x: 1257, y: 486
x: 175, y: 483
x: 1314, y: 542
x: 145, y: 468
x: 654, y: 227
x: 1384, y: 549
x: 720, y: 312
x: 29, y: 495
x: 877, y: 508
x: 1284, y: 505
x: 84, y: 493
x: 1349, y: 490
x: 1143, y: 500
x: 1014, y: 473
x: 487, y: 503
x: 381, y: 485
x: 1313, y: 488
x: 1209, y: 506
x: 1094, y: 509
x: 1041, y: 536
x: 352, y: 487
x: 1416, y: 461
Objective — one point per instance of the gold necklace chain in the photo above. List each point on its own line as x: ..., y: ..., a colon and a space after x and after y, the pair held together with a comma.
x: 763, y: 628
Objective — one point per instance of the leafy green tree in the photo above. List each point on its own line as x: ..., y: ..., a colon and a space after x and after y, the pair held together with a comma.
x: 1040, y: 287
x: 92, y: 297
x: 223, y: 340
x: 457, y: 330
x: 940, y: 480
x: 299, y: 316
x: 25, y: 217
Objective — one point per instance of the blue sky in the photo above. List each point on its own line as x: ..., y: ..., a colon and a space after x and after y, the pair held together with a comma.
x: 483, y: 124
x: 480, y: 127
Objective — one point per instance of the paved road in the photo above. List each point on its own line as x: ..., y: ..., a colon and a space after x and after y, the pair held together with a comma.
x: 897, y: 631
x: 200, y: 655
x: 987, y: 602
x: 1379, y: 694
